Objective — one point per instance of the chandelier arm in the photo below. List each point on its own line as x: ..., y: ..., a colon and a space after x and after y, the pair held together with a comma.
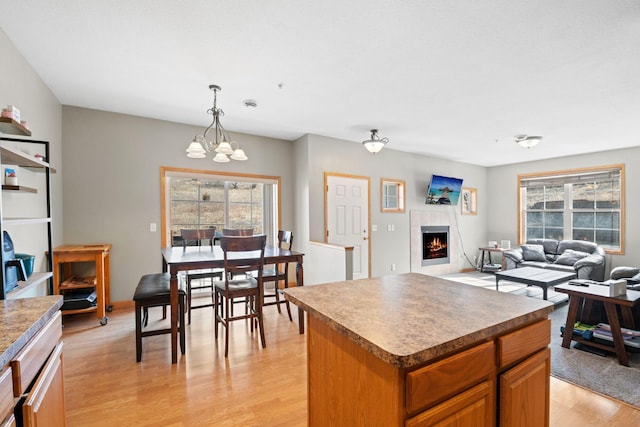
x: 221, y: 143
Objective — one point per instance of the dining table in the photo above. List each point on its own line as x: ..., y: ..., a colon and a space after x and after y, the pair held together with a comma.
x: 177, y: 258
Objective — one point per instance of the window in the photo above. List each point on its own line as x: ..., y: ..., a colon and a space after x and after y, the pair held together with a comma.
x: 585, y: 204
x: 392, y: 193
x: 200, y: 199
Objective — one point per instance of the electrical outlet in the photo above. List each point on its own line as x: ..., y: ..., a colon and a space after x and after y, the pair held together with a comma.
x: 152, y: 227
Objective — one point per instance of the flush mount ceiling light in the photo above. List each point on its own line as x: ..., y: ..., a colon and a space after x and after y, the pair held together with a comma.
x: 224, y: 148
x: 376, y: 143
x: 527, y: 141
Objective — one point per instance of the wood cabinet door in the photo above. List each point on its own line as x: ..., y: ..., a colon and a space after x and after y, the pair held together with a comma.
x: 472, y: 408
x: 524, y: 392
x: 44, y: 404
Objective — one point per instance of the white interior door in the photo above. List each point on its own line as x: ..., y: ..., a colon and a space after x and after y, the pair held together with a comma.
x: 347, y: 215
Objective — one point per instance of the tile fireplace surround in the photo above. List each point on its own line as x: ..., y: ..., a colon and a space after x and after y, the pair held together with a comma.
x: 439, y: 215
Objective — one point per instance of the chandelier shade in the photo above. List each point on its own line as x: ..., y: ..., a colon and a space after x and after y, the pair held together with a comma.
x: 375, y: 144
x: 224, y: 148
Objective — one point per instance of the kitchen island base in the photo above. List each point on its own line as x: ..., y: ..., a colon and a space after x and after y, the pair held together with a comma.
x: 370, y: 369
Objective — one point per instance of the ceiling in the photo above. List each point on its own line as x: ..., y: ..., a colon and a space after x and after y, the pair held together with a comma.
x: 454, y: 79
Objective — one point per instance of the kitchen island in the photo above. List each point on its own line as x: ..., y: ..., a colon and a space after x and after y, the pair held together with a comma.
x: 415, y: 350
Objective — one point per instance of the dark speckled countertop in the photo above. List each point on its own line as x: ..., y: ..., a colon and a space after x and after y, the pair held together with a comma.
x: 21, y: 319
x: 409, y: 319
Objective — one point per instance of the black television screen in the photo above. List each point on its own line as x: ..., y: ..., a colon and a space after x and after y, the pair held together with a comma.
x: 443, y: 190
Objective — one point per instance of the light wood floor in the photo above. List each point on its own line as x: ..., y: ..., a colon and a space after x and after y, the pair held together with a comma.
x: 104, y: 386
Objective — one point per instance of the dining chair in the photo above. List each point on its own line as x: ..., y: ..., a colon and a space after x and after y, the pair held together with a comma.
x: 250, y: 287
x: 204, y: 277
x: 277, y: 273
x: 237, y: 232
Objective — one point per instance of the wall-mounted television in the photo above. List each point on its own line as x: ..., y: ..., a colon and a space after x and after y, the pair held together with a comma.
x: 443, y: 190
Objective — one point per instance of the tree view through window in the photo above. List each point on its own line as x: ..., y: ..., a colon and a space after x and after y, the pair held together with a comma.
x: 577, y: 205
x: 201, y: 201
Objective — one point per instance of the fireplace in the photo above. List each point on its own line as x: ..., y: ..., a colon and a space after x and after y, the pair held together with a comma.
x: 435, y: 245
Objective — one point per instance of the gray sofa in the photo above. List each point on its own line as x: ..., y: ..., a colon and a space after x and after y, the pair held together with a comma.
x: 585, y: 258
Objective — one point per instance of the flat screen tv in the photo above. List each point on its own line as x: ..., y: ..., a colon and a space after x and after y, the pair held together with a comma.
x: 443, y: 190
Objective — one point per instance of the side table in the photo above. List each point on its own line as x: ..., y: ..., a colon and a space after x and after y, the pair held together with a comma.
x: 63, y: 280
x: 489, y: 250
x: 600, y: 293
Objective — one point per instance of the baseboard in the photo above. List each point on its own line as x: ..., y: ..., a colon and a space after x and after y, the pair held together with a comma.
x: 123, y: 305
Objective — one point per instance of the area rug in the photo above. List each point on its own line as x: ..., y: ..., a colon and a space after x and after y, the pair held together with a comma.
x: 602, y: 374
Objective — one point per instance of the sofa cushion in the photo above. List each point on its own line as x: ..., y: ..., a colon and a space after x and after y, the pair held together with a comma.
x: 538, y: 264
x: 560, y: 267
x: 533, y: 253
x: 550, y: 246
x: 570, y: 257
x: 577, y: 245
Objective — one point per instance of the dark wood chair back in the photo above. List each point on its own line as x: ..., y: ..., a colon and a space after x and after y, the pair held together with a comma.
x: 195, y: 237
x: 277, y: 274
x: 285, y: 239
x: 240, y: 265
x: 237, y: 231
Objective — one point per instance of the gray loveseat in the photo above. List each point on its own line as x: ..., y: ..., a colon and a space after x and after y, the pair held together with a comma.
x: 585, y: 258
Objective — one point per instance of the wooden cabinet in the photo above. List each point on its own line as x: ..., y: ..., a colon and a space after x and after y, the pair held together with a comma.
x: 32, y: 384
x: 11, y: 155
x: 524, y: 392
x: 350, y: 386
x: 6, y: 396
x: 44, y: 405
x: 413, y: 350
x: 65, y: 282
x: 473, y: 407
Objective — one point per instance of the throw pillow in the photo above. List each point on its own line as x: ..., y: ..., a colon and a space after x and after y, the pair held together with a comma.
x: 533, y: 253
x: 570, y: 257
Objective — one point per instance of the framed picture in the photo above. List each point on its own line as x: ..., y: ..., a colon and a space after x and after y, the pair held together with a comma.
x: 469, y: 203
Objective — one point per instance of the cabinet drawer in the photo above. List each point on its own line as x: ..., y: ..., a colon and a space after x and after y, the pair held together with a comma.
x: 474, y: 407
x: 6, y: 394
x: 33, y: 356
x: 524, y: 342
x: 44, y: 405
x: 449, y: 376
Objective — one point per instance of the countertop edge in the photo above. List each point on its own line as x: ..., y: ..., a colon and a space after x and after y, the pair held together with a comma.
x: 437, y: 351
x: 30, y: 332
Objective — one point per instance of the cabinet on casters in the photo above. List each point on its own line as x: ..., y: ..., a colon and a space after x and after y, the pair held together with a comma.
x: 83, y: 293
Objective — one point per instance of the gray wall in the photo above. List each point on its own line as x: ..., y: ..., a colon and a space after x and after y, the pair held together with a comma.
x: 112, y: 183
x: 21, y: 86
x: 392, y: 247
x: 503, y: 199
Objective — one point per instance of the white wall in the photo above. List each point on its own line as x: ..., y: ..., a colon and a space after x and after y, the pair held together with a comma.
x: 503, y: 221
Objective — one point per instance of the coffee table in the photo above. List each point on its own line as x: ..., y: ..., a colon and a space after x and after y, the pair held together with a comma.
x: 532, y: 276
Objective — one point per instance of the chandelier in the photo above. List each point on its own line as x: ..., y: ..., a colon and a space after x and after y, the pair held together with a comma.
x: 225, y: 149
x: 376, y: 143
x: 527, y: 141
